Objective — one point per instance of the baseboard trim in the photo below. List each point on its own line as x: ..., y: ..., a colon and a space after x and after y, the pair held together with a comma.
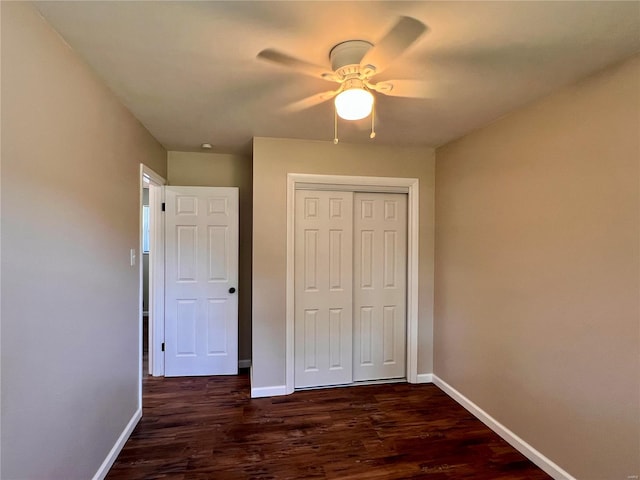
x: 514, y: 440
x: 276, y: 390
x: 115, y: 450
x: 244, y: 363
x: 424, y: 378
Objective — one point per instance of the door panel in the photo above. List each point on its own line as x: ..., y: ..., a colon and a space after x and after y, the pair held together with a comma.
x: 323, y: 288
x: 379, y: 297
x: 201, y: 315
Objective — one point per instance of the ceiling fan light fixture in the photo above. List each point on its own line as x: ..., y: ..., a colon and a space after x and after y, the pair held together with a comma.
x: 354, y: 103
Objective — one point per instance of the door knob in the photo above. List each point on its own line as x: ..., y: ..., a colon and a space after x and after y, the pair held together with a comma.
x: 232, y: 290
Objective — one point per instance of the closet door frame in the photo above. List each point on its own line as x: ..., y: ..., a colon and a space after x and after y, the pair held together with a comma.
x: 410, y: 186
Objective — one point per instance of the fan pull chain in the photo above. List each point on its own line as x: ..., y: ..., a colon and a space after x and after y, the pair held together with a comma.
x: 335, y: 126
x: 373, y: 127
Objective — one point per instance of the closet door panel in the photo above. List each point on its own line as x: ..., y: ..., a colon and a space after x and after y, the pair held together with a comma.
x: 380, y: 277
x: 323, y: 288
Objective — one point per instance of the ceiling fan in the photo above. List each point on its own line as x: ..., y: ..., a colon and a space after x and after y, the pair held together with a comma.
x: 353, y: 64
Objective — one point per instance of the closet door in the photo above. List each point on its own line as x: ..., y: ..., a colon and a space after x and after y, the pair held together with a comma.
x: 323, y: 288
x: 379, y: 292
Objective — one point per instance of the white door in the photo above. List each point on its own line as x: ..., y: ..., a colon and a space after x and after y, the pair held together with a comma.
x: 379, y: 291
x: 323, y: 288
x: 201, y: 302
x: 350, y: 287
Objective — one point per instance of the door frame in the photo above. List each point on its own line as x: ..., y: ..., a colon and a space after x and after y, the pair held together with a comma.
x: 409, y: 186
x: 156, y: 271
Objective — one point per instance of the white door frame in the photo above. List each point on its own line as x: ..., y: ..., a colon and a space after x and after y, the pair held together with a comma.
x: 355, y: 184
x: 156, y: 271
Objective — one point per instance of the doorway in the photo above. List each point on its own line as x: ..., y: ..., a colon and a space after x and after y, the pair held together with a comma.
x: 195, y: 327
x: 151, y: 273
x: 144, y: 250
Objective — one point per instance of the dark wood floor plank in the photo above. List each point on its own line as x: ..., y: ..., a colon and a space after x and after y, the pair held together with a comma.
x: 208, y: 428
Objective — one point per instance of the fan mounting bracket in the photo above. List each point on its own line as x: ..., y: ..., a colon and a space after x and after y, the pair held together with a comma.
x: 348, y: 53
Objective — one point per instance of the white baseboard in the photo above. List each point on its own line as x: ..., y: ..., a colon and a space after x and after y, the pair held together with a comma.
x: 115, y: 450
x: 514, y: 440
x: 259, y: 392
x: 424, y: 378
x: 246, y: 363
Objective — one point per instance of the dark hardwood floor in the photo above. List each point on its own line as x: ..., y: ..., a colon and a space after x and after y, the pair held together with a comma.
x: 209, y: 428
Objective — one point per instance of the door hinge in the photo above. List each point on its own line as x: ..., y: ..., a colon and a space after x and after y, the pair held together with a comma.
x: 164, y: 206
x: 163, y: 346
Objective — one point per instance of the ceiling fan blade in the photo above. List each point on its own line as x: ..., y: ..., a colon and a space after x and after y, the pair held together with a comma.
x: 403, y: 88
x: 301, y: 66
x: 311, y: 101
x: 403, y: 34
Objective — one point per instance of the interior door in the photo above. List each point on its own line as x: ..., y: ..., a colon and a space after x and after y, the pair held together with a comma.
x: 379, y: 292
x: 323, y: 288
x: 201, y: 265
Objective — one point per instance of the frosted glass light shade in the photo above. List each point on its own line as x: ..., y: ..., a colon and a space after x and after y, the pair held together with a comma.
x: 354, y: 104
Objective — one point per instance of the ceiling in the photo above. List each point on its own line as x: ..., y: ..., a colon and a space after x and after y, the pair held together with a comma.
x: 188, y: 70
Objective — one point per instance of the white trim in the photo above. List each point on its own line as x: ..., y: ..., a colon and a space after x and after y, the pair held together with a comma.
x: 276, y: 390
x: 413, y: 247
x: 246, y: 363
x: 424, y: 378
x: 352, y: 187
x: 117, y: 447
x: 290, y: 286
x: 353, y: 181
x: 156, y: 281
x: 371, y: 184
x: 156, y: 270
x: 510, y: 437
x: 382, y: 381
x: 151, y: 175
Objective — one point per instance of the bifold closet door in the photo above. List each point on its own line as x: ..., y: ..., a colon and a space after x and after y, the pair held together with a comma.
x: 323, y: 288
x: 379, y: 292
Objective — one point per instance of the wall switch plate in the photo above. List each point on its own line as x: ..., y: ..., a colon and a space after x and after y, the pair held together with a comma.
x: 133, y: 257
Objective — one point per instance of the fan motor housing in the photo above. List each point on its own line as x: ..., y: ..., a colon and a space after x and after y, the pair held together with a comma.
x: 346, y: 56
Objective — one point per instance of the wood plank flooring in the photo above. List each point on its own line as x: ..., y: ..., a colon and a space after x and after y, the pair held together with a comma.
x: 209, y: 428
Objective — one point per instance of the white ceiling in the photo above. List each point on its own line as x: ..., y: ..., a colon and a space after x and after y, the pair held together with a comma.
x: 188, y: 70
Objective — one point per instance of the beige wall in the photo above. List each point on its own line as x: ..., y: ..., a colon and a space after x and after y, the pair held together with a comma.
x: 272, y: 160
x: 224, y: 170
x: 537, y: 315
x: 70, y: 214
